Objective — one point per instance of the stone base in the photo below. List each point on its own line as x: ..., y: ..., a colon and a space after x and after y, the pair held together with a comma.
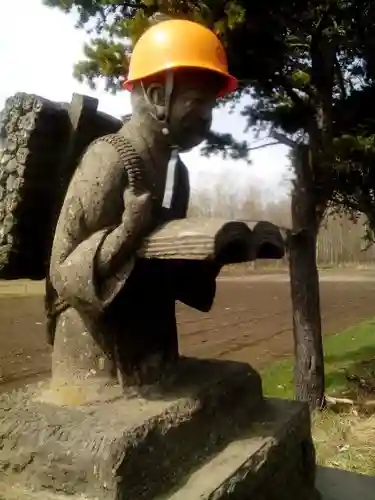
x: 207, y: 434
x: 273, y: 459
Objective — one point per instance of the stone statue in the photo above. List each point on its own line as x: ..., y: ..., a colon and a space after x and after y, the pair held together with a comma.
x: 122, y: 254
x: 108, y: 193
x: 116, y: 313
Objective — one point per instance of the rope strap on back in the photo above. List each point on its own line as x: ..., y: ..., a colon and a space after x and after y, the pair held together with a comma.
x: 129, y: 158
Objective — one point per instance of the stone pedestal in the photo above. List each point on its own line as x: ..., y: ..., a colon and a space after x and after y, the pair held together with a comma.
x: 206, y: 434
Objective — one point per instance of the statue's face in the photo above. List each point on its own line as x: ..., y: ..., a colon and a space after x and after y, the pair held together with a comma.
x: 190, y: 114
x: 190, y: 110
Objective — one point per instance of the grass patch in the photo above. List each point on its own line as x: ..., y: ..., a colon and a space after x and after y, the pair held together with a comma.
x: 350, y: 351
x: 343, y: 439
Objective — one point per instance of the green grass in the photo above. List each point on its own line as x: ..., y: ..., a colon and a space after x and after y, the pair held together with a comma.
x: 344, y: 352
x: 343, y: 438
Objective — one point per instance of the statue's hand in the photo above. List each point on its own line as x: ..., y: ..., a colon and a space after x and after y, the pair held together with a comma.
x: 138, y: 210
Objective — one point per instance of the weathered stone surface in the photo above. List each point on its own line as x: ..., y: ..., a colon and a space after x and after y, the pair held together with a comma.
x: 273, y: 459
x: 34, y: 132
x: 130, y: 448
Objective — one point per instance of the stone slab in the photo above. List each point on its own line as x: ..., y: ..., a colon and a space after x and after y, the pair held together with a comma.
x: 133, y: 447
x: 272, y: 460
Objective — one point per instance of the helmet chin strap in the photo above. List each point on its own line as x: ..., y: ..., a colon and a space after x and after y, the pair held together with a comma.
x: 171, y: 168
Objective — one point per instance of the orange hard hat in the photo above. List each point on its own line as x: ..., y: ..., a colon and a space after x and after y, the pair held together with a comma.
x: 175, y: 44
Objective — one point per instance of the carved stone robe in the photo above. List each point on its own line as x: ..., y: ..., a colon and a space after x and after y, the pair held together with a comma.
x: 116, y: 323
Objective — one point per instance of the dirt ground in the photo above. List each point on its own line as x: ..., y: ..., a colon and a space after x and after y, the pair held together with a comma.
x: 251, y: 321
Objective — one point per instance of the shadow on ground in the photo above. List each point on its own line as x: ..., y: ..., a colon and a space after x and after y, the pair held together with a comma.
x: 338, y: 484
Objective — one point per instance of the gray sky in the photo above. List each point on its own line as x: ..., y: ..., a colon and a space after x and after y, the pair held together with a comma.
x: 38, y: 47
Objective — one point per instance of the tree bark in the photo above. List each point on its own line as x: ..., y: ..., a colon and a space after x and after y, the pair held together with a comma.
x: 305, y: 294
x: 308, y: 348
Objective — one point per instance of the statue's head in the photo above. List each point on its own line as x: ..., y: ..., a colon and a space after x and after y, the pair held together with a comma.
x: 177, y: 72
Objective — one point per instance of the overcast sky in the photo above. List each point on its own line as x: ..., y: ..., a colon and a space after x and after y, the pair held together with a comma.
x: 38, y: 47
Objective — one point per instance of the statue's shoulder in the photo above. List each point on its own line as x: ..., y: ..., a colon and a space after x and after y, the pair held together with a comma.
x: 111, y: 160
x: 102, y: 150
x: 113, y: 148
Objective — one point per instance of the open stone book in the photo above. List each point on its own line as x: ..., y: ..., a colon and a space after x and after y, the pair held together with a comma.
x: 224, y: 240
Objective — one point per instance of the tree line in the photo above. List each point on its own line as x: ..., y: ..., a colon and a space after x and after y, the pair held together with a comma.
x: 341, y: 240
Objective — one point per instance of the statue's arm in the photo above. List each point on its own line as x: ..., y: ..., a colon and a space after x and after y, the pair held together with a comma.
x: 92, y: 260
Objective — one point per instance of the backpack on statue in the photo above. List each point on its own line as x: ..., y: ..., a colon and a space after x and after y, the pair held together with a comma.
x: 41, y: 143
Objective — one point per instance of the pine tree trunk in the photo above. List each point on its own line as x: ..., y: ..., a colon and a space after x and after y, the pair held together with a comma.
x: 308, y: 349
x: 305, y: 294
